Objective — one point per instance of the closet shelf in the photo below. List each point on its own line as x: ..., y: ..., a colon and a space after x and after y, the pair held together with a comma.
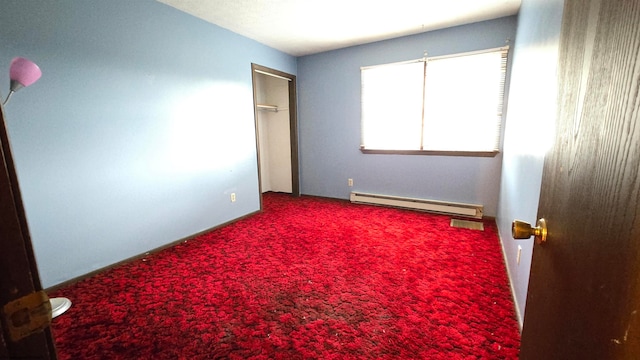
x: 274, y: 108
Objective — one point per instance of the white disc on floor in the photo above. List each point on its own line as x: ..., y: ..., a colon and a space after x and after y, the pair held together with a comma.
x: 59, y: 305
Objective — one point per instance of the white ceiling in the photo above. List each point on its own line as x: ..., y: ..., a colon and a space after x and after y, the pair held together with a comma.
x: 303, y: 27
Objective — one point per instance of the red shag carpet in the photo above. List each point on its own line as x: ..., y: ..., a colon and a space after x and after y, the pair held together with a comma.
x: 308, y: 278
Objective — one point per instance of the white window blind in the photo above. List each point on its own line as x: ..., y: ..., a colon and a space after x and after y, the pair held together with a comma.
x: 451, y: 103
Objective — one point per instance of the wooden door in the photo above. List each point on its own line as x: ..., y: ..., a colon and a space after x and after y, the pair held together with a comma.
x: 584, y: 290
x: 18, y: 272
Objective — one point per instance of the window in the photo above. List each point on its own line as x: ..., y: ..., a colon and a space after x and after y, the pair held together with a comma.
x: 443, y: 104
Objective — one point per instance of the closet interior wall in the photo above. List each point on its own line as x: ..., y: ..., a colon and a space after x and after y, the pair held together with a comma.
x: 272, y: 95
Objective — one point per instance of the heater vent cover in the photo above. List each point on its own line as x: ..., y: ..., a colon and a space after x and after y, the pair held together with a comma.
x: 441, y: 207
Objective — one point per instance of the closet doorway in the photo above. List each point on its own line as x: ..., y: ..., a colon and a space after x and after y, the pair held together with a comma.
x: 274, y: 98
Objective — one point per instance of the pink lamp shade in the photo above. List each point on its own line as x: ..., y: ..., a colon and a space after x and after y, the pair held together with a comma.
x: 23, y: 72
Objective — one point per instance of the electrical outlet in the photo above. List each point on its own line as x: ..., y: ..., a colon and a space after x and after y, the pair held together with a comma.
x: 233, y: 197
x: 350, y: 182
x: 519, y: 254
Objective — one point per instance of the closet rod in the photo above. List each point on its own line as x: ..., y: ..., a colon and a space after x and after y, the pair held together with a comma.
x: 273, y: 108
x: 270, y: 74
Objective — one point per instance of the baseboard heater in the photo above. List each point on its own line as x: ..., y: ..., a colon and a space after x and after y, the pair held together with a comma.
x: 441, y: 207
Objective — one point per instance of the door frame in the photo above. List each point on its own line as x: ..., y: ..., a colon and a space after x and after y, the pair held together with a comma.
x: 293, y: 124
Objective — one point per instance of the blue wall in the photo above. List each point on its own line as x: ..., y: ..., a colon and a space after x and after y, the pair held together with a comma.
x: 529, y: 131
x: 329, y: 124
x: 138, y: 131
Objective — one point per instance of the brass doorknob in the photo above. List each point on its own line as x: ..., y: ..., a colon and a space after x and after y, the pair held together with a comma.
x: 524, y: 230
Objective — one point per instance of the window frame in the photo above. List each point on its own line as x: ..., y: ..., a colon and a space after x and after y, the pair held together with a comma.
x: 458, y: 153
